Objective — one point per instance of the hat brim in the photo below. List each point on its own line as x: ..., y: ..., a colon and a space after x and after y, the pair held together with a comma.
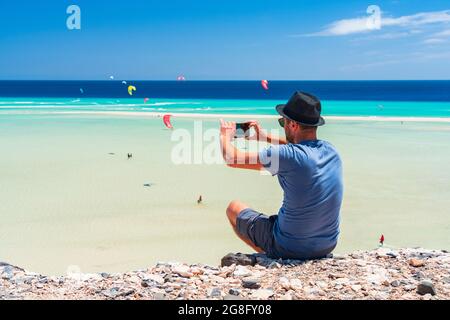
x: 280, y: 110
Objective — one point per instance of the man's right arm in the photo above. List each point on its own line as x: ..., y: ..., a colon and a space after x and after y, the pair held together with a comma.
x: 262, y: 135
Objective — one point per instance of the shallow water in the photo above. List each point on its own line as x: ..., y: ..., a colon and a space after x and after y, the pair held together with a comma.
x: 65, y: 200
x: 366, y: 108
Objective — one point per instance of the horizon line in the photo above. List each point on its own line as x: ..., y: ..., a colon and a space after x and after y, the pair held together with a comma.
x: 218, y: 80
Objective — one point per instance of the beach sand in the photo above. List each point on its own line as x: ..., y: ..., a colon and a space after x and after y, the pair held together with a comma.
x: 67, y: 201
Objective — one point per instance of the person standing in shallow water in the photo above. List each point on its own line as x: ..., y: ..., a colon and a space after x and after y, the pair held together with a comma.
x: 309, y: 171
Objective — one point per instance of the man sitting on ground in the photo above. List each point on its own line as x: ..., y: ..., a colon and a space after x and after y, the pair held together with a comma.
x: 309, y: 172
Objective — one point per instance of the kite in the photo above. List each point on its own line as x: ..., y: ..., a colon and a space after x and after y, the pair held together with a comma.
x: 131, y: 89
x: 111, y: 77
x: 166, y: 120
x: 181, y: 78
x: 81, y: 90
x: 124, y: 82
x: 265, y: 84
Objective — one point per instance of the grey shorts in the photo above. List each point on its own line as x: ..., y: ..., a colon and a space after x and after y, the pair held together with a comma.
x: 258, y: 228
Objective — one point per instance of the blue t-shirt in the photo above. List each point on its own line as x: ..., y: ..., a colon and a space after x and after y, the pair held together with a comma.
x: 310, y: 174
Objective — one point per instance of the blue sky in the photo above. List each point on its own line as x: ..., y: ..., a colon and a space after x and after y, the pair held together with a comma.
x: 230, y: 40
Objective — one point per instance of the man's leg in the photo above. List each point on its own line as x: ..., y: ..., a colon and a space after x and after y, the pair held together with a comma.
x: 233, y: 210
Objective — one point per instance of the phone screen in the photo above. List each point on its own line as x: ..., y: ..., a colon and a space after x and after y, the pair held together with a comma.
x: 243, y: 126
x: 242, y: 129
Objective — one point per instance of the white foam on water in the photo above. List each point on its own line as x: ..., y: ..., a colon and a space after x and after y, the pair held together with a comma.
x: 255, y: 116
x: 32, y: 107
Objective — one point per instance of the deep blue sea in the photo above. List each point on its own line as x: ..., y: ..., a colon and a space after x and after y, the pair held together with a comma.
x: 325, y: 90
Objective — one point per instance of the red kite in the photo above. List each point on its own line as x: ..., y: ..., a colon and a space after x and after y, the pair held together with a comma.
x: 265, y: 84
x: 166, y: 120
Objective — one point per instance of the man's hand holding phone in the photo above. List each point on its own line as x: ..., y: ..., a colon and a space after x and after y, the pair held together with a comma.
x: 242, y: 130
x: 260, y: 133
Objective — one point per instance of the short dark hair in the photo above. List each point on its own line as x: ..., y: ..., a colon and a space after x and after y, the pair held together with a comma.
x: 308, y: 128
x: 302, y: 126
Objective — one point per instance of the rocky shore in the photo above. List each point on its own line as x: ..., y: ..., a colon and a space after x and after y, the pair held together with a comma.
x: 379, y: 274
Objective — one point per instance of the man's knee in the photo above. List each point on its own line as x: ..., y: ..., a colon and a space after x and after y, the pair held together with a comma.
x: 233, y: 209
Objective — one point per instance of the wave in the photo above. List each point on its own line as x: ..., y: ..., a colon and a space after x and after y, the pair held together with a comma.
x: 30, y: 107
x: 17, y: 102
x: 36, y: 103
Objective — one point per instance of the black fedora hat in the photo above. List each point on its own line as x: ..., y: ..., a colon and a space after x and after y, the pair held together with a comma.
x: 302, y: 108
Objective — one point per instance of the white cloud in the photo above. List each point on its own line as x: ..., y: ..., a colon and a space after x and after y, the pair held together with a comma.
x: 438, y: 38
x: 344, y: 27
x: 418, y: 19
x: 362, y: 24
x: 434, y: 41
x: 443, y: 34
x: 433, y: 55
x: 391, y: 35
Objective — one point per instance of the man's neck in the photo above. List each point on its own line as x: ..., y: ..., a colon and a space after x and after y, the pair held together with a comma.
x: 305, y: 137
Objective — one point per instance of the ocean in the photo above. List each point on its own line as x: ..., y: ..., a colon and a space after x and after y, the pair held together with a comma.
x: 70, y: 196
x: 339, y: 98
x: 438, y: 91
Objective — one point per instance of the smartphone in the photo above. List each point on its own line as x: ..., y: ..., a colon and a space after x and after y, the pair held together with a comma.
x: 242, y: 129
